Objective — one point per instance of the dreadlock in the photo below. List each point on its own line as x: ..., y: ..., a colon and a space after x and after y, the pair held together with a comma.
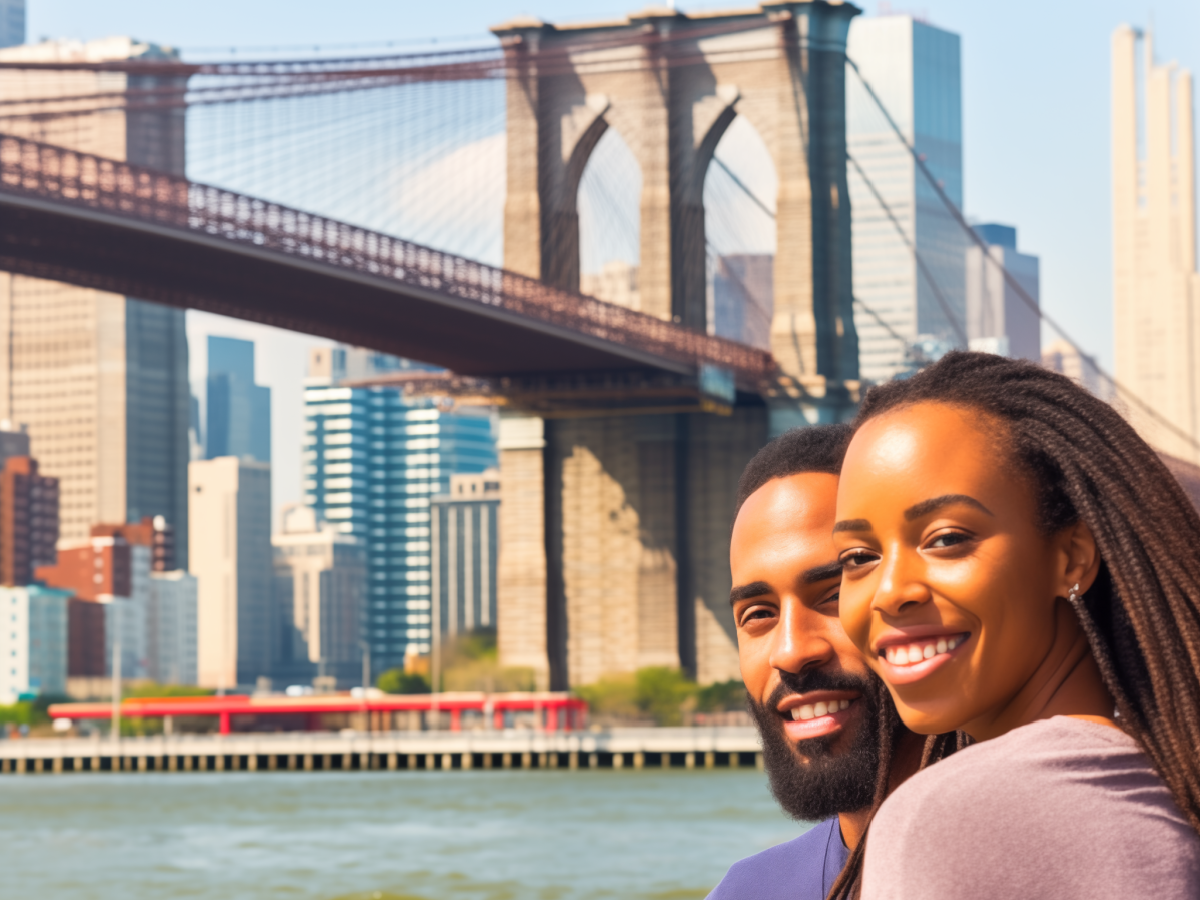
x: 1085, y: 462
x: 937, y: 747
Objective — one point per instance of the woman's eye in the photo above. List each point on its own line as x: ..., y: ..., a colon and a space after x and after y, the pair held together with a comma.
x: 949, y: 539
x: 857, y: 558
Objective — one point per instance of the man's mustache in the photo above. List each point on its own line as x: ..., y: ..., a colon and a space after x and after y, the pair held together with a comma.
x: 815, y: 680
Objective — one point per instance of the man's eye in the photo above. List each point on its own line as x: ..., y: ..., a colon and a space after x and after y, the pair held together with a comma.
x: 757, y: 612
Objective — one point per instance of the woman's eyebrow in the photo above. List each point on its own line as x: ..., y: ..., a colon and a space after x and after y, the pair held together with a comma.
x: 925, y: 507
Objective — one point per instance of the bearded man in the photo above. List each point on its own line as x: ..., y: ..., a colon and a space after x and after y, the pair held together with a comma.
x: 832, y: 743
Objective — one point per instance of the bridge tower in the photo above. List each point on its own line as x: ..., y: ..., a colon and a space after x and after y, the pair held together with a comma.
x: 615, y: 527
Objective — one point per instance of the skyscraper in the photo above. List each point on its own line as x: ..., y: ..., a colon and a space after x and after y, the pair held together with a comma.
x: 373, y: 460
x: 1155, y: 285
x: 28, y: 520
x: 230, y: 513
x: 99, y: 379
x: 998, y: 318
x: 12, y: 23
x: 465, y: 545
x: 238, y: 410
x: 915, y: 70
x: 320, y: 587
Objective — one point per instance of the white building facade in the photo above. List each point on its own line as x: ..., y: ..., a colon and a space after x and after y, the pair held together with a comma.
x: 33, y: 642
x: 229, y: 514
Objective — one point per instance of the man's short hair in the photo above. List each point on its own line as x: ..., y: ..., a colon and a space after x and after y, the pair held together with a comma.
x: 814, y: 448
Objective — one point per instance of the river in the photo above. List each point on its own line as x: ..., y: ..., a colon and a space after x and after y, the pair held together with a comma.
x: 510, y: 835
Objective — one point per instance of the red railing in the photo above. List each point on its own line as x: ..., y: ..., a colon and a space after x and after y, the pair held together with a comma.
x: 171, y: 202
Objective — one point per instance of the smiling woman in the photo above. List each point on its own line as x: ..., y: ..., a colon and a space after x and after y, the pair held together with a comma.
x: 1017, y: 563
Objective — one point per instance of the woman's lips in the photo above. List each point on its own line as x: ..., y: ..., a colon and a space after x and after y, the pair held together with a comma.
x: 913, y: 659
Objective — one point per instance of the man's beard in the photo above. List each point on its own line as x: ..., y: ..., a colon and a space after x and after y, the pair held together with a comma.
x: 808, y: 780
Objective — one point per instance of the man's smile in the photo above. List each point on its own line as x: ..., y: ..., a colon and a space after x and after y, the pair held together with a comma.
x: 816, y: 713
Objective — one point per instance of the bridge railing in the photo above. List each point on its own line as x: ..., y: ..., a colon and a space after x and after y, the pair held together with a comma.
x: 157, y: 198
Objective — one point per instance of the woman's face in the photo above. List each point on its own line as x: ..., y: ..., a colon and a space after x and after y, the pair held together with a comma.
x: 948, y: 585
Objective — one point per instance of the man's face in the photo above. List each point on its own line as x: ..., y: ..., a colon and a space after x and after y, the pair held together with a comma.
x: 809, y: 687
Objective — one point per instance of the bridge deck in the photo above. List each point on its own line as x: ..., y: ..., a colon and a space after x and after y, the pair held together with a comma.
x: 105, y: 224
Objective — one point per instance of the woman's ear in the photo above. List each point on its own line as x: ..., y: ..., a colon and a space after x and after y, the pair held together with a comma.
x: 1079, y: 558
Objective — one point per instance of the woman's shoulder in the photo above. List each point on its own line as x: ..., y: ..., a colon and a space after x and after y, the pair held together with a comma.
x: 1058, y: 789
x: 1025, y: 762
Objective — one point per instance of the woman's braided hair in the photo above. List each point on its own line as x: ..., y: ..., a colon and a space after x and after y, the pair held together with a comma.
x: 1142, y: 614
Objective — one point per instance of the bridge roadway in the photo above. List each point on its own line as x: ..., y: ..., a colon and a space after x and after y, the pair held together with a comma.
x: 100, y: 223
x: 616, y: 748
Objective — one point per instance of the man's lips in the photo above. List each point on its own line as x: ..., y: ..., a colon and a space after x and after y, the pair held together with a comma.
x: 908, y: 655
x: 816, y: 713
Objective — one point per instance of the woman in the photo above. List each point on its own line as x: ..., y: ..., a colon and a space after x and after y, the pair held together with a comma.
x: 1020, y: 566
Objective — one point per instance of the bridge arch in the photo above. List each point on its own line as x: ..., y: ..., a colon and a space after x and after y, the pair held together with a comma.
x: 740, y: 195
x: 609, y: 198
x: 672, y: 84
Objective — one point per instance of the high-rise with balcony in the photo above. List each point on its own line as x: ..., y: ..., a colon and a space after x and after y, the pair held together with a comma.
x: 1155, y: 285
x: 373, y: 460
x: 99, y: 379
x: 915, y: 70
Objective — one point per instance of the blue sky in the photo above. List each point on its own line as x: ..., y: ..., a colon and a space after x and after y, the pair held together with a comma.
x: 1035, y: 97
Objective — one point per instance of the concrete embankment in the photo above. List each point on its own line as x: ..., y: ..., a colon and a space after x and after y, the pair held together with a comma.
x: 398, y: 750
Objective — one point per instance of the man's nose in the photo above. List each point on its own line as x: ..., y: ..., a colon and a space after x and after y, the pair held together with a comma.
x: 800, y: 642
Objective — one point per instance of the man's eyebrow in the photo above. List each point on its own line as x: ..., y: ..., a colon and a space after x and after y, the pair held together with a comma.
x: 822, y: 573
x: 925, y: 507
x: 746, y: 591
x: 852, y: 525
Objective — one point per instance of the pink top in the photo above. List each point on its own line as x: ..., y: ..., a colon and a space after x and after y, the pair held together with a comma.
x: 1062, y: 809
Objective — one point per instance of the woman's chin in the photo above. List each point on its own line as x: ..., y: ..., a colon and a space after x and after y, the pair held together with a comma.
x: 924, y: 720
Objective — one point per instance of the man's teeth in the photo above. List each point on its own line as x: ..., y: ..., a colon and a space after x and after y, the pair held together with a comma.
x: 813, y: 710
x: 903, y: 656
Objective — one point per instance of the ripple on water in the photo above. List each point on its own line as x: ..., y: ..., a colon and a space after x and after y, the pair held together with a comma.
x: 648, y: 835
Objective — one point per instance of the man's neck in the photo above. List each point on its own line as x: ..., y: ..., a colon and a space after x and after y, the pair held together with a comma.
x: 905, y: 763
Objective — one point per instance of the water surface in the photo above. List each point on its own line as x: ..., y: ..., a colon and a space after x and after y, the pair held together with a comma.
x: 557, y: 835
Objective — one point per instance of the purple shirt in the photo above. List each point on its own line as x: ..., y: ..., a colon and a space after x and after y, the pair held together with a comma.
x: 802, y: 869
x: 1061, y: 809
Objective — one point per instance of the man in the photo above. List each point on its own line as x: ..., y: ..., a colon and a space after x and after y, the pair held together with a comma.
x: 821, y: 712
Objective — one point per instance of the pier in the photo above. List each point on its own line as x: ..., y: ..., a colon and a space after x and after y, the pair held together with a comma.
x: 617, y: 748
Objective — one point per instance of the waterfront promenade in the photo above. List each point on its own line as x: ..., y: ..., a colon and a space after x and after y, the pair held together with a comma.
x: 617, y: 748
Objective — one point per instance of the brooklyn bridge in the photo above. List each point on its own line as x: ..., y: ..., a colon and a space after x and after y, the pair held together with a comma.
x: 624, y: 425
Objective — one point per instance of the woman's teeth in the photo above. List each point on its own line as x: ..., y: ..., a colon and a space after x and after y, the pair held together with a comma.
x: 815, y: 710
x: 915, y: 652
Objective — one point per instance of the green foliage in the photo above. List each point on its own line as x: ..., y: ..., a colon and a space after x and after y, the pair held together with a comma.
x: 397, y: 681
x: 611, y: 696
x: 660, y: 693
x: 21, y: 713
x: 722, y: 696
x: 151, y: 689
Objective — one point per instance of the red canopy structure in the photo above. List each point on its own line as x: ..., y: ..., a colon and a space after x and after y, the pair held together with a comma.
x: 552, y: 709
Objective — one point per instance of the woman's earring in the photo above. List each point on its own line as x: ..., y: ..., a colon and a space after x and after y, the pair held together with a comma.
x: 1074, y: 593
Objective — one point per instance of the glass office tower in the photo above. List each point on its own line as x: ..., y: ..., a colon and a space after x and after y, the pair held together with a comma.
x: 914, y: 69
x: 373, y: 460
